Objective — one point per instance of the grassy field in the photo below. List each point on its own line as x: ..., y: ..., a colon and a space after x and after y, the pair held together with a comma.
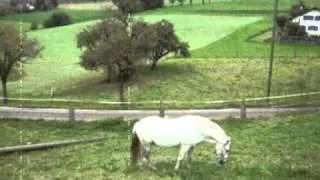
x: 77, y: 15
x: 23, y: 26
x: 199, y: 30
x: 88, y: 6
x: 283, y: 147
x: 244, y: 7
x: 237, y: 45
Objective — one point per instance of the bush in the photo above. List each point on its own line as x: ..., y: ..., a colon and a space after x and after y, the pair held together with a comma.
x: 132, y: 6
x: 34, y: 25
x: 152, y: 4
x: 172, y: 2
x: 55, y: 3
x: 14, y: 3
x: 181, y: 2
x: 282, y: 20
x: 45, y: 5
x: 57, y: 19
x: 6, y: 9
x: 293, y: 29
x: 299, y: 9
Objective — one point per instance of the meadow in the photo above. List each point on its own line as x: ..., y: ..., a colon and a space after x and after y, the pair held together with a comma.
x: 281, y: 147
x: 225, y: 64
x: 77, y: 15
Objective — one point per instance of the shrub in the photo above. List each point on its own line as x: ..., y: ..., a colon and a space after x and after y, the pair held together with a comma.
x: 55, y: 3
x: 34, y: 25
x: 137, y: 5
x: 6, y: 9
x: 181, y: 2
x: 14, y: 3
x: 172, y: 2
x: 293, y: 29
x: 299, y: 9
x: 45, y: 5
x: 282, y: 19
x: 152, y: 4
x: 57, y: 19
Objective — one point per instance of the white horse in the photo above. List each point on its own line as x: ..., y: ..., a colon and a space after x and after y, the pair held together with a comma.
x: 186, y: 131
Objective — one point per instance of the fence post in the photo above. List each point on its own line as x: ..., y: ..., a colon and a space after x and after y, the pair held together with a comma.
x: 162, y: 111
x: 243, y: 110
x: 71, y: 115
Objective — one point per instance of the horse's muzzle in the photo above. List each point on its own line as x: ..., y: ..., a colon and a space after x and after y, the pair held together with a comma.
x: 221, y: 162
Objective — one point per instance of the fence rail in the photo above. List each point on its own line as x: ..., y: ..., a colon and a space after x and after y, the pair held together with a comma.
x: 165, y: 101
x: 71, y: 114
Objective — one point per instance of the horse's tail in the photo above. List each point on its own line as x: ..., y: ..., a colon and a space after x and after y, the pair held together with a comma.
x: 135, y: 148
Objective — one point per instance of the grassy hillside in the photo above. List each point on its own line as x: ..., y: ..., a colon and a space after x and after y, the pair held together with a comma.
x: 57, y: 73
x: 283, y: 147
x: 234, y: 6
x: 238, y: 45
x: 200, y: 30
x: 76, y: 15
x: 224, y: 64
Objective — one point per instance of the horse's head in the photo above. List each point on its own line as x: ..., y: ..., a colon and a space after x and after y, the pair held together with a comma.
x: 223, y: 150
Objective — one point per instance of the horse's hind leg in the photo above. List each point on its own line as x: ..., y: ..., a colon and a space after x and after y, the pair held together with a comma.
x: 189, y: 153
x: 146, y: 151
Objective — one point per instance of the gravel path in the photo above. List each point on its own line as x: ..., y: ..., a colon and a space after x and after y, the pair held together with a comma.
x: 90, y: 115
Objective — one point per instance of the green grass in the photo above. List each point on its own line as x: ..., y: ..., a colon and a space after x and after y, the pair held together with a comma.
x: 87, y: 5
x: 200, y: 30
x: 283, y: 147
x: 237, y: 45
x: 189, y: 81
x: 23, y: 26
x: 184, y: 80
x: 238, y: 6
x: 76, y: 16
x: 239, y: 72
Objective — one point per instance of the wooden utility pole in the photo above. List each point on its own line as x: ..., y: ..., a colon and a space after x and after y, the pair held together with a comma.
x: 272, y: 47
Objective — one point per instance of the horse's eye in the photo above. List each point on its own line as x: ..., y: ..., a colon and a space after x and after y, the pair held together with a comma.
x: 227, y: 150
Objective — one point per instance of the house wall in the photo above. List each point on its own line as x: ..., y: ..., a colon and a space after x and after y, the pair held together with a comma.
x: 308, y: 23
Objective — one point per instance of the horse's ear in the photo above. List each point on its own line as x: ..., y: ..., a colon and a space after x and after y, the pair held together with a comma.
x: 229, y: 138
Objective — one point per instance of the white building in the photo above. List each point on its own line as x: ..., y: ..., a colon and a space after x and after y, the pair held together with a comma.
x: 310, y: 21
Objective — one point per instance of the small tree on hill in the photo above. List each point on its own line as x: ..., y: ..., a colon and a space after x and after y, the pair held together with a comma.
x: 165, y: 42
x: 13, y: 49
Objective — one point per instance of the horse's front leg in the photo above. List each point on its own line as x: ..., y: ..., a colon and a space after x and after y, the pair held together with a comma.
x: 183, y: 150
